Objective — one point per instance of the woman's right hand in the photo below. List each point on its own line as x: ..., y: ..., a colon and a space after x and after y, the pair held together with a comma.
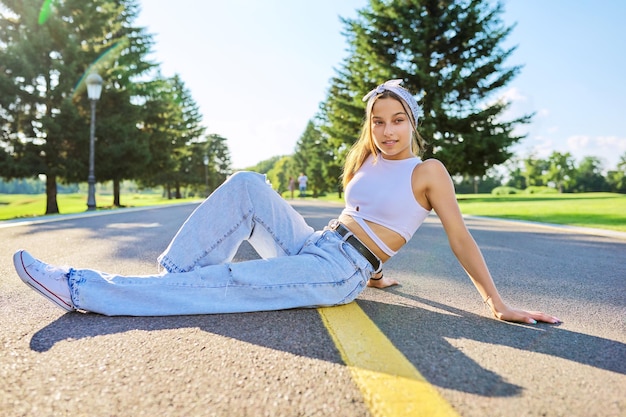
x: 382, y: 282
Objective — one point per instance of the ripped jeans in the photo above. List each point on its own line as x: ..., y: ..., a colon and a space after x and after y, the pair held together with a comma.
x: 299, y: 267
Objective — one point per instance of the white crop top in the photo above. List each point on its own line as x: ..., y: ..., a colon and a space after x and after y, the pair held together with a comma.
x: 381, y: 192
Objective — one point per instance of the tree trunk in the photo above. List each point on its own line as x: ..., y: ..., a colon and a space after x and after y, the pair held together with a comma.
x: 51, y: 195
x: 116, y: 193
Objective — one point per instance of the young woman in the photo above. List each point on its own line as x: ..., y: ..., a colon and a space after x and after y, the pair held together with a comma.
x: 300, y: 267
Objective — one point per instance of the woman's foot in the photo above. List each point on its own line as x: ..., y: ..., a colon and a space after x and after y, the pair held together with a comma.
x: 48, y: 280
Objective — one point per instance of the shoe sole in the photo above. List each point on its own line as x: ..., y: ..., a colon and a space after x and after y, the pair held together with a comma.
x: 36, y: 285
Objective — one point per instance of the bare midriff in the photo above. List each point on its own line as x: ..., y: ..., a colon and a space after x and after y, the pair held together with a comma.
x: 392, y: 239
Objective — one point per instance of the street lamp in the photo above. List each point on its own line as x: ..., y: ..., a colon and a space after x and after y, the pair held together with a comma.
x: 94, y: 88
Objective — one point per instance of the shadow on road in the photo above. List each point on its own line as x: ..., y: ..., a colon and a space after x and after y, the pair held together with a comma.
x: 293, y: 331
x: 419, y: 333
x: 446, y: 366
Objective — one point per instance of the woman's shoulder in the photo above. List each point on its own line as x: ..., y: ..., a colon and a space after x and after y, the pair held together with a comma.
x: 432, y: 166
x: 430, y: 173
x: 432, y: 184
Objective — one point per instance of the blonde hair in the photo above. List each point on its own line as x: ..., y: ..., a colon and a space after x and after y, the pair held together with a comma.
x: 365, y: 145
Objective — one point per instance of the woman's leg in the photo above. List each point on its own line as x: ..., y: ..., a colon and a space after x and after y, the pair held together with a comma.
x: 327, y: 271
x: 242, y: 208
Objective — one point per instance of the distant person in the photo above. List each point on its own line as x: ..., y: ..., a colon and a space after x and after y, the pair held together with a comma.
x: 302, y: 180
x: 292, y: 186
x: 389, y: 191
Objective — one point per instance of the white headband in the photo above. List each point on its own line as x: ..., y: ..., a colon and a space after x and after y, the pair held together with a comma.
x: 394, y: 87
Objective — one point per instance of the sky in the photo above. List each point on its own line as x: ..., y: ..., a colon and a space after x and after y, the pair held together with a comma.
x: 259, y: 70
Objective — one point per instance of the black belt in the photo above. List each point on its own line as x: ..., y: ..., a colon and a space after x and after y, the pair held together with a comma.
x: 356, y: 244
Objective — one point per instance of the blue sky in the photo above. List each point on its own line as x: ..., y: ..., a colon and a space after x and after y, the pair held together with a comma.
x: 259, y: 70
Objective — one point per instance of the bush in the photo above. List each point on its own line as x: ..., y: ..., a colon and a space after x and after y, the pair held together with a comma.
x: 537, y: 189
x: 504, y: 190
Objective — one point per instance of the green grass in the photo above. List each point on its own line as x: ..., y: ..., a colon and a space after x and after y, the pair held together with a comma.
x: 23, y: 205
x: 599, y: 210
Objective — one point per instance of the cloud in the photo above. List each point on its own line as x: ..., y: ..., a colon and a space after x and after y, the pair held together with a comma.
x: 613, y: 144
x: 578, y: 142
x: 607, y: 148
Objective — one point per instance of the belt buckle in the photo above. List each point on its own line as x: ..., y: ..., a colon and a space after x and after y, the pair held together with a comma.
x: 333, y: 224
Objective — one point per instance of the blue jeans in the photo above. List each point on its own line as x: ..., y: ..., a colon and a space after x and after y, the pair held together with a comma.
x: 299, y: 267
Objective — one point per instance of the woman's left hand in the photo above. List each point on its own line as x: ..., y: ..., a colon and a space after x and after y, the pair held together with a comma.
x: 523, y: 316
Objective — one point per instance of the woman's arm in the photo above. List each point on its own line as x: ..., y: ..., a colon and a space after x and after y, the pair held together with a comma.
x: 437, y: 187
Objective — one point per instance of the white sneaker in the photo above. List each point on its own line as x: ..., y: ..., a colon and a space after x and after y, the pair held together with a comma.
x: 48, y: 280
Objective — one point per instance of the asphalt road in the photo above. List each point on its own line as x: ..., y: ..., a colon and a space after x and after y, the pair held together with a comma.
x: 286, y: 364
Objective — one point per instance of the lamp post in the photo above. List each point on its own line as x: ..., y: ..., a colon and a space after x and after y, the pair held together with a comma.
x: 94, y: 88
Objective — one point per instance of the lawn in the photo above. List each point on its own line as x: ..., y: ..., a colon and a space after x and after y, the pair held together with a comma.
x: 599, y: 210
x: 23, y: 205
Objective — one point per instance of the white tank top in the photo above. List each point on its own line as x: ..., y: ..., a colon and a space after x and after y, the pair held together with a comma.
x: 381, y: 192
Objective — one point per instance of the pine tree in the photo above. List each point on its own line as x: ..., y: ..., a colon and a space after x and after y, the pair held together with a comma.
x: 122, y: 149
x: 161, y: 116
x: 172, y: 123
x: 185, y: 128
x: 449, y: 53
x: 312, y: 156
x: 220, y: 165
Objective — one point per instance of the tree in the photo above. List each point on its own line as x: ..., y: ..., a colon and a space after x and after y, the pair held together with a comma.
x: 475, y: 185
x: 515, y: 174
x: 448, y: 52
x: 172, y: 122
x: 219, y: 161
x: 263, y: 167
x: 159, y: 108
x: 617, y: 178
x: 122, y: 149
x: 311, y: 156
x: 341, y: 115
x: 34, y: 85
x: 44, y: 52
x: 560, y: 170
x: 587, y: 177
x: 535, y: 170
x: 280, y: 173
x: 187, y: 128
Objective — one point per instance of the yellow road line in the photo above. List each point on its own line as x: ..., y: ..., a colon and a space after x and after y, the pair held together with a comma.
x: 390, y: 384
